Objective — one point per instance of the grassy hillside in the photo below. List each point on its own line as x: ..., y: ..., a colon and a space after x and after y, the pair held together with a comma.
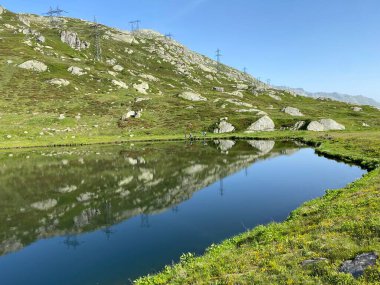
x: 35, y: 112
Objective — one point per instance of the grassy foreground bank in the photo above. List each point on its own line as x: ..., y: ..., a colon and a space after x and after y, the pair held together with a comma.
x: 338, y: 226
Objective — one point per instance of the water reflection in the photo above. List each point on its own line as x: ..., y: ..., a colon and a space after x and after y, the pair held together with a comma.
x: 67, y: 191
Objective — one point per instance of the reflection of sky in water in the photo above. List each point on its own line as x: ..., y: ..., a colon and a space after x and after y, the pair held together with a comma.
x: 158, y: 233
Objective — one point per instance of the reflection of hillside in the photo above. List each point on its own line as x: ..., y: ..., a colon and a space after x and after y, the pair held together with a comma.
x: 49, y: 193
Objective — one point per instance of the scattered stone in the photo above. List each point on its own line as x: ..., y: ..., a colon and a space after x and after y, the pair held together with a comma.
x: 275, y: 97
x: 239, y: 103
x: 131, y: 114
x: 72, y: 39
x: 141, y: 87
x: 218, y: 89
x: 237, y: 94
x: 224, y: 127
x: 120, y: 84
x: 357, y: 109
x: 149, y: 77
x: 67, y: 189
x: 139, y: 99
x: 111, y: 61
x: 85, y: 197
x: 9, y: 61
x: 365, y: 125
x: 61, y: 117
x: 325, y: 125
x: 242, y: 86
x: 74, y: 70
x: 191, y: 96
x: 59, y: 82
x: 357, y: 266
x: 41, y: 39
x: 44, y: 205
x: 118, y: 68
x: 264, y: 124
x: 34, y: 65
x: 292, y: 111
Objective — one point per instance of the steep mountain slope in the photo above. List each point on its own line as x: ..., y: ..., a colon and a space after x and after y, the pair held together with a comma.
x: 353, y: 99
x: 53, y: 91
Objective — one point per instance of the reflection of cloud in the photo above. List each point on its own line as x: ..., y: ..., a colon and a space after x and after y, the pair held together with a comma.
x: 186, y: 9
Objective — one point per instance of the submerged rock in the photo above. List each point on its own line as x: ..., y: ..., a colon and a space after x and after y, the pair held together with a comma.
x: 357, y: 266
x: 263, y: 124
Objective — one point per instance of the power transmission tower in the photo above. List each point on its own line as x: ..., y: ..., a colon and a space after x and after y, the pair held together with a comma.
x: 218, y: 56
x: 268, y: 81
x: 245, y: 70
x: 135, y: 25
x: 54, y: 15
x: 96, y: 33
x: 168, y: 36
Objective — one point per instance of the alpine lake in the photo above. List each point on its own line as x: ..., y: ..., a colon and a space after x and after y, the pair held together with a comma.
x: 110, y: 214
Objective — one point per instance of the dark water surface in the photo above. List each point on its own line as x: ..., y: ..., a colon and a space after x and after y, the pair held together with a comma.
x: 107, y: 215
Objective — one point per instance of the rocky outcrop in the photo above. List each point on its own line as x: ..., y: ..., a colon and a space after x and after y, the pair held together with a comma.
x: 357, y: 266
x: 223, y: 127
x: 142, y: 87
x: 264, y: 124
x: 74, y: 70
x: 2, y: 10
x: 325, y: 125
x: 34, y: 65
x: 292, y: 111
x: 59, y: 82
x: 120, y: 84
x: 191, y: 96
x: 44, y: 205
x: 72, y: 39
x: 298, y: 126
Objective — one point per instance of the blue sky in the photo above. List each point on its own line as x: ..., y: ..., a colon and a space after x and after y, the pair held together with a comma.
x: 320, y: 45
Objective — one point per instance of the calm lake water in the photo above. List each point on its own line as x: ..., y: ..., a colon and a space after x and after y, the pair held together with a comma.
x: 107, y: 215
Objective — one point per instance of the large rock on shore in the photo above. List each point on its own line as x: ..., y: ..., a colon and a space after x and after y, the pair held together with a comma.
x: 34, y: 65
x: 264, y: 124
x: 224, y: 127
x: 292, y: 111
x: 325, y: 125
x: 191, y: 96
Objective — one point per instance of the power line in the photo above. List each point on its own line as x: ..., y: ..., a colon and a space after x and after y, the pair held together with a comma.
x: 96, y: 33
x: 54, y: 15
x: 218, y: 56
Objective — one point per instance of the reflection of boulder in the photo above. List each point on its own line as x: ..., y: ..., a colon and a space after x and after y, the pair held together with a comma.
x: 44, y: 205
x: 85, y: 217
x: 263, y: 146
x: 225, y: 145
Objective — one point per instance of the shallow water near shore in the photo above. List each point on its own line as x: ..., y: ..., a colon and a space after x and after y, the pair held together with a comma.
x: 109, y: 214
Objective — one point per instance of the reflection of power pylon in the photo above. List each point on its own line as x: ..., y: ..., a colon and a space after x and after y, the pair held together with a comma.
x: 145, y: 221
x: 246, y: 171
x: 71, y: 241
x: 108, y: 218
x: 221, y: 188
x: 175, y: 209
